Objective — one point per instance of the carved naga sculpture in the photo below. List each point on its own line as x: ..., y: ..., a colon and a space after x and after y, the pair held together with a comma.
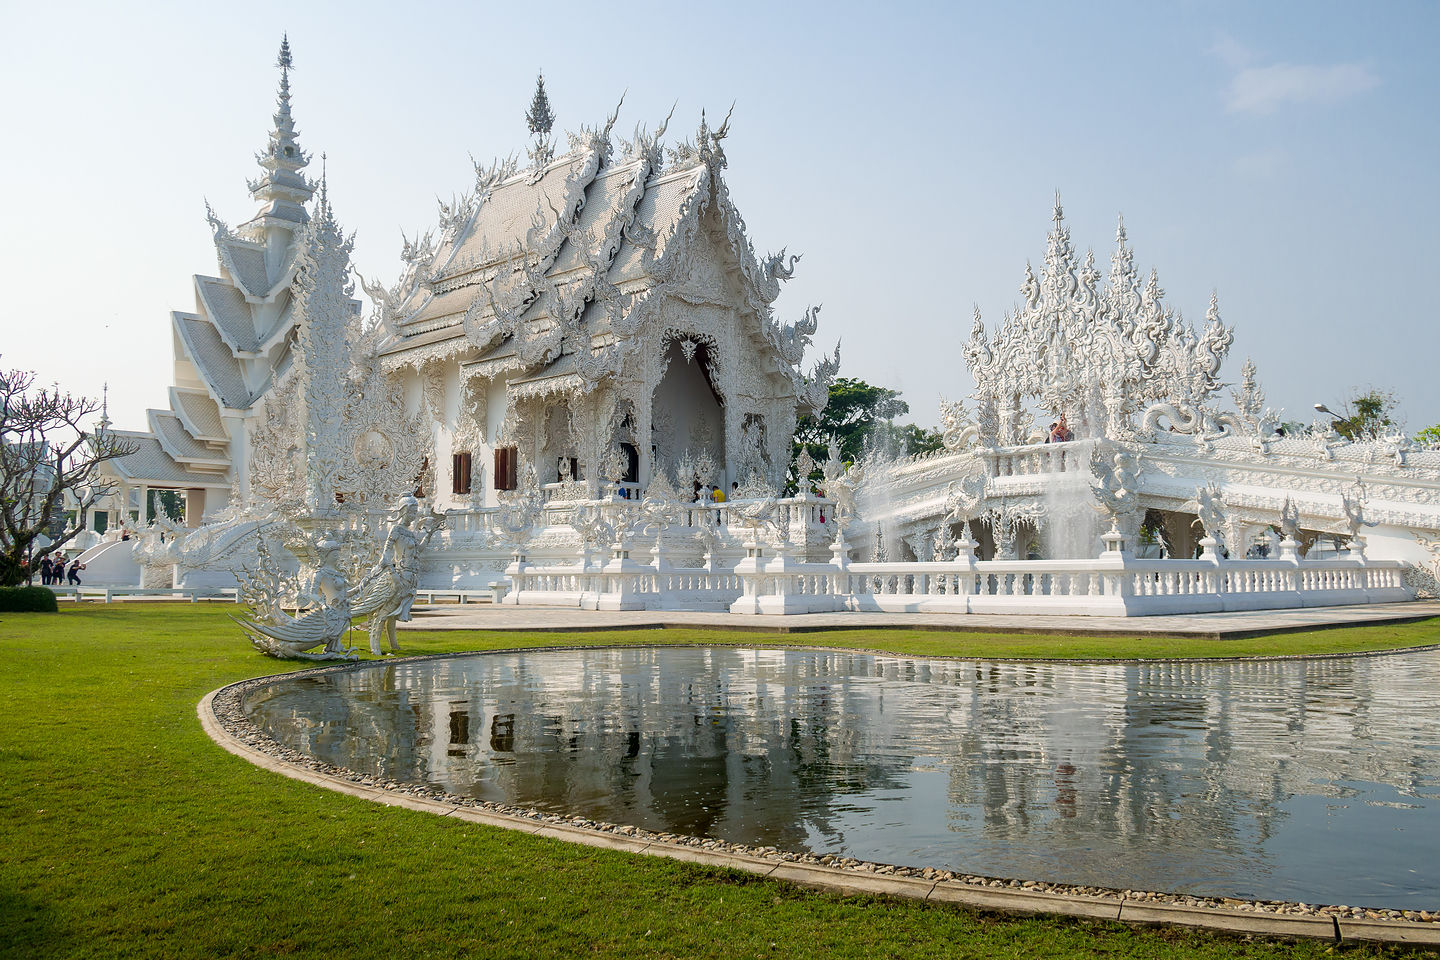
x: 775, y: 268
x: 957, y: 432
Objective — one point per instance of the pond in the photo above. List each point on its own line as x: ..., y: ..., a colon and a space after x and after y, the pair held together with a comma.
x: 1308, y: 780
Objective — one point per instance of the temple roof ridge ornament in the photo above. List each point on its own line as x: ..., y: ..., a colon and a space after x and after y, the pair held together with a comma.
x: 540, y: 118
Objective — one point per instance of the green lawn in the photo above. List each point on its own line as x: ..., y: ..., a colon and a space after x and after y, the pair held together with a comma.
x: 126, y: 832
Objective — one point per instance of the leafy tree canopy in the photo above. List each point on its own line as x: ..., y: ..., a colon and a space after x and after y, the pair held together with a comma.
x: 1366, y: 415
x: 48, y: 458
x: 854, y: 409
x: 1429, y: 437
x: 861, y: 414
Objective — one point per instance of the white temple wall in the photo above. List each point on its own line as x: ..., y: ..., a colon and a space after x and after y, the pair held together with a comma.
x: 1394, y: 543
x: 494, y: 418
x: 239, y: 429
x: 184, y: 373
x: 447, y: 402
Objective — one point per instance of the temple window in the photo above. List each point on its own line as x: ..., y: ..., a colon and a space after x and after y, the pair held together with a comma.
x: 460, y: 473
x: 507, y: 460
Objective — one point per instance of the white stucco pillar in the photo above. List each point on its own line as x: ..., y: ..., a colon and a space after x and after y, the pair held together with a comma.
x: 643, y: 420
x: 734, y: 418
x: 194, y: 506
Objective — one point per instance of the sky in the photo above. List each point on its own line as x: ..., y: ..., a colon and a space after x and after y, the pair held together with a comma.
x: 1283, y: 155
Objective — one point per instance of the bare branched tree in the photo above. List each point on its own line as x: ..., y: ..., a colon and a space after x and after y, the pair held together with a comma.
x: 49, y: 462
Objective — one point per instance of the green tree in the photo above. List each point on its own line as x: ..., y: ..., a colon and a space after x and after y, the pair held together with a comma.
x: 167, y: 503
x: 858, y: 414
x: 1365, y: 415
x: 1429, y: 437
x: 854, y: 410
x: 49, y: 457
x: 916, y: 439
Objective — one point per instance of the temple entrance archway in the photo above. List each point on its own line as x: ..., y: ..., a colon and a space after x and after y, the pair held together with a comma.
x: 687, y: 411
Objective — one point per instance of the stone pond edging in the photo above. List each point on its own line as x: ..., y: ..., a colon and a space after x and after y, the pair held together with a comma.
x: 222, y: 716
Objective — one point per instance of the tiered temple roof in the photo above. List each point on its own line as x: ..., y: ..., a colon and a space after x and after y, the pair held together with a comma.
x: 235, y: 344
x: 545, y: 270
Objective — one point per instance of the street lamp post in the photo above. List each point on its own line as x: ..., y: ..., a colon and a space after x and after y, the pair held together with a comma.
x: 1342, y: 425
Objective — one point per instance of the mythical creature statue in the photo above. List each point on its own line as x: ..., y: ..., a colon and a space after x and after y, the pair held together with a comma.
x: 660, y: 507
x: 754, y: 506
x: 1354, y: 508
x: 957, y: 430
x: 381, y: 296
x: 1397, y: 446
x: 814, y: 392
x: 1290, y: 521
x: 278, y: 634
x: 386, y: 592
x: 791, y: 339
x: 1424, y: 577
x: 775, y: 269
x: 963, y: 499
x: 840, y: 485
x: 594, y: 526
x: 1115, y: 481
x: 1210, y: 509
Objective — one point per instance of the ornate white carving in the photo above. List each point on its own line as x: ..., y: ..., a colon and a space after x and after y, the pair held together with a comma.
x: 1095, y: 355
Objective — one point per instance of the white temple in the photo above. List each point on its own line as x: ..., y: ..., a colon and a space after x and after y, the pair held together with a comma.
x: 585, y: 347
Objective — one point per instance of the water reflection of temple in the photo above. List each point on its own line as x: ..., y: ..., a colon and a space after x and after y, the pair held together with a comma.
x: 984, y: 761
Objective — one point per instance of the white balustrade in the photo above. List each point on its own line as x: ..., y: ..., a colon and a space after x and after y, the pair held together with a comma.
x: 1034, y: 459
x: 1110, y: 585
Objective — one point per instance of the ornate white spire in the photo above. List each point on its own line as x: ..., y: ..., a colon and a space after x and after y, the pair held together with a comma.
x: 541, y: 120
x: 324, y: 324
x: 283, y: 188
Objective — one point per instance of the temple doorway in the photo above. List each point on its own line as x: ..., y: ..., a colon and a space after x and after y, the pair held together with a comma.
x: 688, y: 412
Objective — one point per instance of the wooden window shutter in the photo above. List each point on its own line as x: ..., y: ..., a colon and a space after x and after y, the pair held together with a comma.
x: 460, y: 473
x: 506, y: 462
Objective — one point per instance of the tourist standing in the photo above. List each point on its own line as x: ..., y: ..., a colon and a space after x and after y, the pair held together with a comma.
x: 1061, y: 433
x: 74, y: 576
x: 45, y: 570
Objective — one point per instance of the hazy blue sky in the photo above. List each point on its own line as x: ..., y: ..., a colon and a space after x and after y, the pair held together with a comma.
x: 1282, y: 154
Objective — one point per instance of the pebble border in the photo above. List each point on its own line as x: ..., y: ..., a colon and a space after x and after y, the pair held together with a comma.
x: 222, y: 715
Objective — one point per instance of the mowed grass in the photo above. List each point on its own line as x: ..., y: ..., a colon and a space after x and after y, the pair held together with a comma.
x: 125, y: 832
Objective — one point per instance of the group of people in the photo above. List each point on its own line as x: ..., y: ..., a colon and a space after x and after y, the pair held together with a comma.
x: 56, y: 574
x: 713, y: 494
x: 1059, y: 432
